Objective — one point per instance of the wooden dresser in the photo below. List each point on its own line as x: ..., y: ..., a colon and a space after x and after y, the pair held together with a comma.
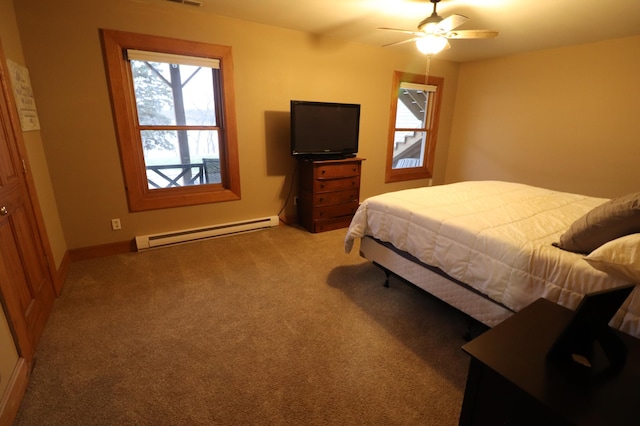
x: 329, y: 193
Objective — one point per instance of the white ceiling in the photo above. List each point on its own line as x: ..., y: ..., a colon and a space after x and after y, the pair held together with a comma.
x: 524, y: 25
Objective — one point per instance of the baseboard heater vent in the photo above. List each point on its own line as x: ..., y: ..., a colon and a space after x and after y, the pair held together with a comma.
x: 187, y: 235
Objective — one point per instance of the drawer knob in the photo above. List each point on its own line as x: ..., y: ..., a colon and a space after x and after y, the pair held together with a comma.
x: 4, y: 211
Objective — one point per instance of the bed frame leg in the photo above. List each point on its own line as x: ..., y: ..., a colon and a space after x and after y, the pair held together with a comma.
x: 386, y: 280
x: 474, y: 329
x: 387, y: 274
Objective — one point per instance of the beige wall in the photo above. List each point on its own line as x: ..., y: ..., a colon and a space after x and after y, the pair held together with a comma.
x: 272, y: 66
x: 564, y: 118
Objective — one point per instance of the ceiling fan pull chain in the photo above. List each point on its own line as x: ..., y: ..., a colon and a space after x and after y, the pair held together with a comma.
x: 426, y: 77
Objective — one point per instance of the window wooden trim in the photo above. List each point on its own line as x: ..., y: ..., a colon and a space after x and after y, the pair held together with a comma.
x: 139, y: 196
x: 426, y: 170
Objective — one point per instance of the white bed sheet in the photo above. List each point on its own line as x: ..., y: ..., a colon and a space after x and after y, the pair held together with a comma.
x: 497, y: 238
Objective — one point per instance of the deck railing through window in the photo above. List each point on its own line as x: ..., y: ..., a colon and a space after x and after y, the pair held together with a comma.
x: 175, y: 175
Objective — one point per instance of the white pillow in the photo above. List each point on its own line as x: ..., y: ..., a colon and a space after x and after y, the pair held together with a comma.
x: 619, y: 257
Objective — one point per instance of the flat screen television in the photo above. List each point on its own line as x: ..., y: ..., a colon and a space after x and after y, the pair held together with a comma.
x: 324, y: 129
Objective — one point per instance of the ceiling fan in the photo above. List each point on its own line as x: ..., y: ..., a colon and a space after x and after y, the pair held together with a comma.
x: 434, y: 32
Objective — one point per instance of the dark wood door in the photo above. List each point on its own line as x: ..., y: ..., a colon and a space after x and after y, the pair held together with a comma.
x: 26, y: 288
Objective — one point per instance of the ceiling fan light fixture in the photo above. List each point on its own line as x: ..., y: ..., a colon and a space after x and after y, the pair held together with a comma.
x: 434, y: 32
x: 431, y: 44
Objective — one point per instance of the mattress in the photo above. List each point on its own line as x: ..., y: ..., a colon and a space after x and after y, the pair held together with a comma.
x: 495, y: 237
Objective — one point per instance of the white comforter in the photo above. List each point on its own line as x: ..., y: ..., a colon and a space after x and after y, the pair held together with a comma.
x: 496, y: 237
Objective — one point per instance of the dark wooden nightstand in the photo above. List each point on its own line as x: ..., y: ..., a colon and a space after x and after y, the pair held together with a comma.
x: 511, y: 381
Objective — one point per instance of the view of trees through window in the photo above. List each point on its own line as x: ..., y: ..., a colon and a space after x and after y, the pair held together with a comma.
x: 176, y: 107
x: 173, y: 104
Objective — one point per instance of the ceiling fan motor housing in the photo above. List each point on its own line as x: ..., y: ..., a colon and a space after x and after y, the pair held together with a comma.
x: 433, y: 19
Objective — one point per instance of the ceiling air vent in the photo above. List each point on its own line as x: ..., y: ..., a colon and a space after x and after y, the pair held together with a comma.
x: 187, y: 2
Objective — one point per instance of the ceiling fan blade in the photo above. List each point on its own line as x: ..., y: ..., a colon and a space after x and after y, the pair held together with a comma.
x: 471, y: 34
x: 401, y: 42
x: 451, y: 22
x: 398, y: 30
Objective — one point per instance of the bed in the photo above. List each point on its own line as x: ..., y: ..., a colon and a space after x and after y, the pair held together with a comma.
x: 490, y: 248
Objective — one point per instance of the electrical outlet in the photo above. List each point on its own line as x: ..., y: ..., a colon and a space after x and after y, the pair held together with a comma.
x: 115, y: 224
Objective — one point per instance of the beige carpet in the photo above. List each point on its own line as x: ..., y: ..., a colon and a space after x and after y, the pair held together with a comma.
x: 276, y: 327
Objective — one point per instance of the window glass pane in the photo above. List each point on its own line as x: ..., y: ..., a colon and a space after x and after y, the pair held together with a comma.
x: 411, y: 112
x: 178, y: 158
x: 408, y: 149
x: 173, y: 94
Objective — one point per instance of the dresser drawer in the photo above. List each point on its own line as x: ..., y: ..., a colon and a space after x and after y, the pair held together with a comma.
x: 336, y: 184
x: 335, y: 197
x: 330, y: 224
x: 335, y: 210
x: 333, y: 171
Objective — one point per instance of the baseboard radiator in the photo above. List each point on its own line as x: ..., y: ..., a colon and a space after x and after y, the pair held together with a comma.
x: 145, y: 242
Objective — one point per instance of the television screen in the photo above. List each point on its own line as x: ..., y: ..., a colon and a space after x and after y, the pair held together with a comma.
x: 324, y: 129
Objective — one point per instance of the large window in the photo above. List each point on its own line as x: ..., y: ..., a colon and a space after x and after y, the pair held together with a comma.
x: 413, y: 127
x: 174, y: 110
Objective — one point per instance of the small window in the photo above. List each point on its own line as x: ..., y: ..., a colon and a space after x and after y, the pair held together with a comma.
x: 175, y: 117
x: 413, y: 127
